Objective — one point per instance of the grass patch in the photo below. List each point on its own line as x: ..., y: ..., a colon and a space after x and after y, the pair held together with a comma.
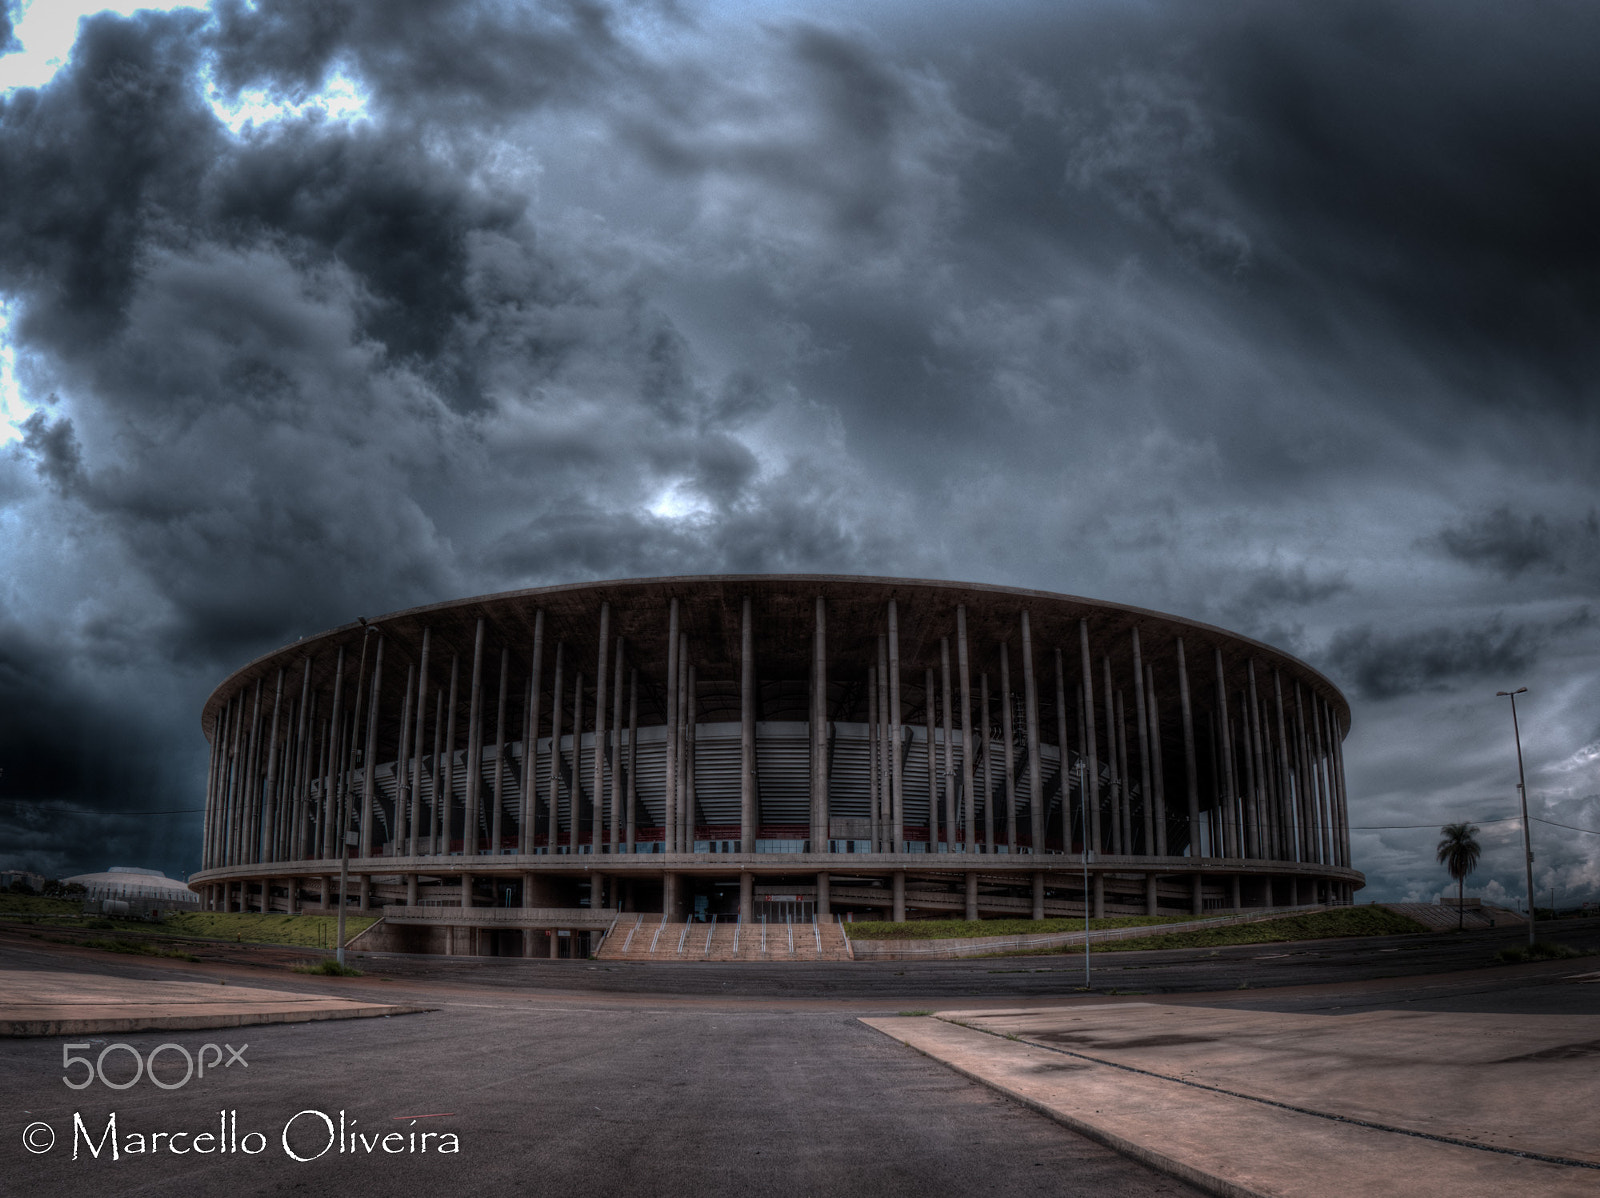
x: 36, y: 904
x: 1543, y: 950
x: 328, y: 967
x: 138, y: 948
x: 299, y: 931
x: 947, y: 929
x: 1320, y: 925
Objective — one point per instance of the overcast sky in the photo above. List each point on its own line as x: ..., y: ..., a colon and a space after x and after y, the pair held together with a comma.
x: 1277, y: 315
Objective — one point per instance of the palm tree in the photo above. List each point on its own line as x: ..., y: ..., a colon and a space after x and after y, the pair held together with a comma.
x: 1458, y: 852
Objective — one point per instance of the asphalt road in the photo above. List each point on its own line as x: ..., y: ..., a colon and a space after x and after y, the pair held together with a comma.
x: 684, y: 1079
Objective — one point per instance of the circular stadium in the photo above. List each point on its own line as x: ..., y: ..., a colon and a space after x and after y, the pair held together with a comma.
x: 524, y: 773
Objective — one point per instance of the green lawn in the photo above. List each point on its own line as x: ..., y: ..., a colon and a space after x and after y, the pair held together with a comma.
x: 945, y: 929
x: 34, y: 904
x: 304, y: 931
x: 1320, y: 925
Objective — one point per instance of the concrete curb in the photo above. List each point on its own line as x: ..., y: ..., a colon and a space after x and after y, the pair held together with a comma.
x: 1142, y: 1153
x: 138, y: 1023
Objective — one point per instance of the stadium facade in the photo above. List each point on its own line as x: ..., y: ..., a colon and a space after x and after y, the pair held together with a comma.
x: 508, y: 770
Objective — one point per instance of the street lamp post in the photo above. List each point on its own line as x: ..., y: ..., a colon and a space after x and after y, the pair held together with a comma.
x: 1522, y: 790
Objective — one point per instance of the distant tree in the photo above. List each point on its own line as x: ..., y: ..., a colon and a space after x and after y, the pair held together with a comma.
x: 21, y: 886
x: 53, y: 888
x: 74, y: 889
x: 1458, y: 853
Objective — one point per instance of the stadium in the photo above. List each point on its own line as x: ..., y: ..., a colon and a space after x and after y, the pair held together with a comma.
x: 523, y: 773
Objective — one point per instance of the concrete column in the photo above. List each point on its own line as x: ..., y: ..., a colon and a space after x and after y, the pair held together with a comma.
x: 821, y: 816
x: 1091, y: 789
x: 824, y: 899
x: 330, y: 782
x: 552, y: 796
x: 597, y: 892
x: 669, y: 895
x: 327, y: 892
x: 1157, y: 766
x: 988, y: 766
x: 1191, y: 773
x: 1296, y: 841
x: 615, y: 839
x: 1152, y: 902
x: 1113, y: 761
x: 747, y: 896
x: 1265, y: 825
x: 633, y: 759
x: 1141, y: 714
x: 896, y: 760
x: 1294, y: 892
x: 1099, y: 883
x: 1008, y: 737
x: 575, y: 791
x: 933, y: 762
x: 445, y: 816
x: 466, y: 890
x: 496, y: 820
x: 602, y: 677
x: 1038, y: 894
x: 269, y: 798
x: 1030, y: 698
x: 898, y: 879
x: 1306, y: 811
x: 251, y: 849
x: 671, y: 800
x: 972, y: 895
x: 964, y: 674
x: 469, y: 831
x: 528, y: 826
x: 399, y: 827
x: 948, y: 772
x: 685, y: 804
x: 411, y: 890
x: 1230, y: 784
x: 747, y: 740
x: 1198, y: 895
x: 690, y: 723
x: 364, y: 890
x: 418, y: 737
x: 883, y: 825
x: 874, y: 756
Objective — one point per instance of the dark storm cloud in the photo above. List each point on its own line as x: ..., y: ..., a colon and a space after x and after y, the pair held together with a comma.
x: 1386, y: 665
x: 462, y: 60
x: 1218, y: 312
x: 1512, y: 544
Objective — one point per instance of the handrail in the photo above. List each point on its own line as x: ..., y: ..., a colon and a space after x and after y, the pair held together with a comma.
x: 660, y: 927
x: 817, y: 932
x: 763, y: 932
x: 636, y: 926
x: 682, y: 936
x: 790, y: 926
x: 710, y: 932
x: 605, y: 935
x: 738, y: 926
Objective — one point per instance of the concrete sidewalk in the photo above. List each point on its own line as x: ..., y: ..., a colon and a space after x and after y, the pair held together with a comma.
x: 44, y: 1003
x: 1262, y: 1103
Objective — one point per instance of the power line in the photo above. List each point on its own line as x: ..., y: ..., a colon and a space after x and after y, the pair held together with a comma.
x: 1498, y: 820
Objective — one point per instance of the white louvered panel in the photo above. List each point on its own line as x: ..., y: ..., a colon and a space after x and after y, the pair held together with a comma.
x: 783, y: 764
x: 718, y: 763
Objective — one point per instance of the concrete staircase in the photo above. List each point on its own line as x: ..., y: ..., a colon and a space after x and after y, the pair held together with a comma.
x: 1439, y: 918
x: 646, y: 938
